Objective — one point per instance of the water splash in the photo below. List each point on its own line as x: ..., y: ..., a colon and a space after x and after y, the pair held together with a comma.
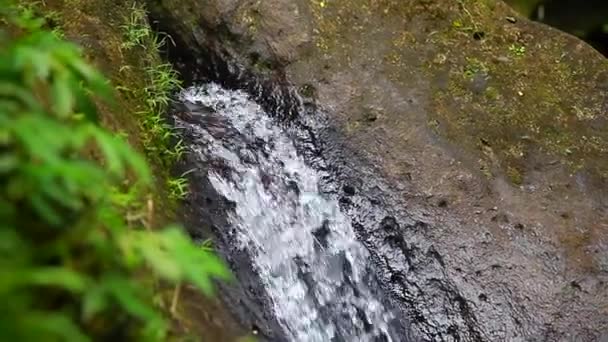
x: 303, y: 247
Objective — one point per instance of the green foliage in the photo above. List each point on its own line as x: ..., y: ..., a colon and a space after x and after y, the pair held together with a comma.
x: 76, y: 251
x: 474, y: 67
x: 517, y: 50
x: 136, y: 29
x: 159, y: 137
x: 159, y: 140
x: 29, y: 15
x: 178, y: 188
x: 163, y: 81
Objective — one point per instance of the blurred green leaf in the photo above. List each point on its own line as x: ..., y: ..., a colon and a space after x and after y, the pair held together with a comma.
x: 8, y: 163
x: 62, y: 95
x: 57, y: 276
x: 56, y: 325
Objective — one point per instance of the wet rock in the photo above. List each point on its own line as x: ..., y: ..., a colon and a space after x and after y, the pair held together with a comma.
x: 479, y: 83
x: 442, y: 203
x: 293, y: 186
x: 321, y: 233
x: 349, y: 190
x: 370, y: 115
x: 389, y: 224
x: 272, y: 47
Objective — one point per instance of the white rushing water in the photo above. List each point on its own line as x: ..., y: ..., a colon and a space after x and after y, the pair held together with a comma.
x: 303, y: 247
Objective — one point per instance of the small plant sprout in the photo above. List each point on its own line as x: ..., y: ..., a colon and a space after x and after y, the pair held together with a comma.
x: 136, y: 29
x: 517, y: 50
x: 159, y: 138
x: 178, y: 188
x: 474, y: 67
x: 163, y: 81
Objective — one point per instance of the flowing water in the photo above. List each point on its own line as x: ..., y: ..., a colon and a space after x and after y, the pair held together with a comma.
x: 303, y: 248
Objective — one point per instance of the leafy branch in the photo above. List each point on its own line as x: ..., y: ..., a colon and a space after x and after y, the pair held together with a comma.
x: 73, y: 263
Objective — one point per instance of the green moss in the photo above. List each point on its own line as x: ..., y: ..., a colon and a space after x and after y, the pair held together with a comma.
x: 485, y: 168
x: 533, y: 95
x: 514, y: 175
x: 536, y: 94
x: 433, y: 125
x: 474, y: 67
x: 259, y: 64
x: 249, y: 17
x: 491, y: 94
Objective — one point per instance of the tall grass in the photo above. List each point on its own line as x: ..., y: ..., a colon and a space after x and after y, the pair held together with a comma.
x: 159, y: 139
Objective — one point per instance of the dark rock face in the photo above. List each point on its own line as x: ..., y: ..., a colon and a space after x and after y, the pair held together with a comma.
x: 477, y: 168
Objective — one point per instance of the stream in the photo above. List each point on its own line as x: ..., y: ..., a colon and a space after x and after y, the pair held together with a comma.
x: 317, y: 276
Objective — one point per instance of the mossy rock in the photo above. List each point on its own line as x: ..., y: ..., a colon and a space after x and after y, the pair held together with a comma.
x: 458, y: 98
x: 516, y: 85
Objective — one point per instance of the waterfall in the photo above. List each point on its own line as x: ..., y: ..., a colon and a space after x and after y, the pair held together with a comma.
x: 303, y: 248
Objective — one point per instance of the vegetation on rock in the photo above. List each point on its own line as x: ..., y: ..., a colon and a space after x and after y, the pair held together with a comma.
x: 80, y: 253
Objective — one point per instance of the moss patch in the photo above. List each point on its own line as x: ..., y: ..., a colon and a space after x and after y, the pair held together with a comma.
x: 537, y: 96
x: 507, y: 87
